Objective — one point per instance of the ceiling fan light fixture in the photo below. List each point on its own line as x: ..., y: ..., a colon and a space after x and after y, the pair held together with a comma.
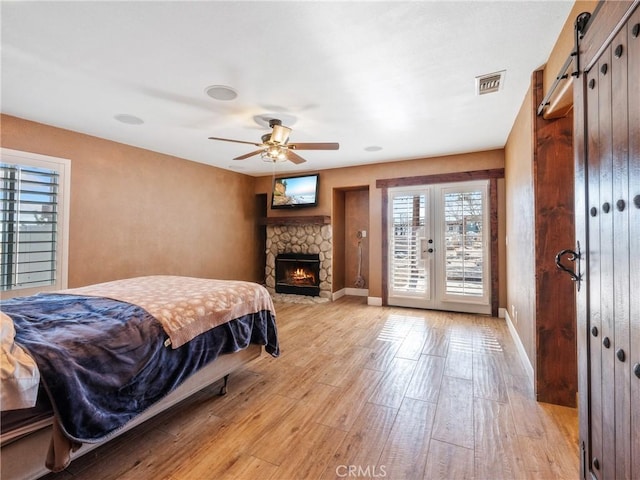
x: 273, y: 151
x: 273, y: 155
x: 275, y: 147
x: 280, y: 135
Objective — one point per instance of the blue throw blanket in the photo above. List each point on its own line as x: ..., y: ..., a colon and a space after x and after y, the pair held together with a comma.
x: 103, y: 361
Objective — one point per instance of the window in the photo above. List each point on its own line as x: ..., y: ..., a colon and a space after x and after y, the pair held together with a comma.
x: 34, y: 193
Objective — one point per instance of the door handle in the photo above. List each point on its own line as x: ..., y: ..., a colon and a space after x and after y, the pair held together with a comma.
x: 572, y: 256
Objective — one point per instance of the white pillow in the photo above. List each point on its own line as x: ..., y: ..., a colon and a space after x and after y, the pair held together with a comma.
x: 19, y: 375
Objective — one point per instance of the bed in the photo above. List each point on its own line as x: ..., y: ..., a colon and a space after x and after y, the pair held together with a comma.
x: 82, y: 366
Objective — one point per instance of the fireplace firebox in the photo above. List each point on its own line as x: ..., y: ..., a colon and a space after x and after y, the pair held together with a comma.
x: 298, y: 273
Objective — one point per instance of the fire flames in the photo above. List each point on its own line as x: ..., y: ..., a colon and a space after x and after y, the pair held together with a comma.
x: 300, y: 276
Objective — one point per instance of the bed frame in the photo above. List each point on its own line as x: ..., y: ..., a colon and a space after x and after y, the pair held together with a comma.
x: 24, y: 458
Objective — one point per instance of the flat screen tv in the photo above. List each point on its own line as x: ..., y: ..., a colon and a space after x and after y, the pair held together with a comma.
x: 295, y: 191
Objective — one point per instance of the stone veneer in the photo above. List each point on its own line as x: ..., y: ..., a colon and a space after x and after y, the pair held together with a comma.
x: 309, y: 238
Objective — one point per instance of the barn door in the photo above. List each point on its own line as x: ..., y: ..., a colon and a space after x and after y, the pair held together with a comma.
x: 608, y: 178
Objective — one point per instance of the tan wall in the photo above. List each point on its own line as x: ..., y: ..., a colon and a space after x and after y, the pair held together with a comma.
x: 137, y: 212
x: 521, y: 288
x: 366, y: 176
x: 357, y: 220
x: 338, y: 213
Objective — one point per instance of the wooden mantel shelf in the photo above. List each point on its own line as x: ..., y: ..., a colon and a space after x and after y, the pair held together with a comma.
x: 307, y: 220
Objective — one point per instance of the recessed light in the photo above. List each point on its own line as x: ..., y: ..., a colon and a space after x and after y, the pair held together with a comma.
x: 128, y: 119
x: 221, y: 92
x: 372, y: 148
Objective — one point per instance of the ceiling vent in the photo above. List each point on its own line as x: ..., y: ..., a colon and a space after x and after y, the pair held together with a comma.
x: 489, y: 83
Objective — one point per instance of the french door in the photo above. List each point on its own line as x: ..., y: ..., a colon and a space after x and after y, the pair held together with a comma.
x: 439, y: 247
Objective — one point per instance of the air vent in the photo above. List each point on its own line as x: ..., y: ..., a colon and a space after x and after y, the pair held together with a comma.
x: 489, y: 83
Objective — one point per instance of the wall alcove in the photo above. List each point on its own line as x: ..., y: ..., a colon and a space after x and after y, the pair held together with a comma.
x: 350, y: 218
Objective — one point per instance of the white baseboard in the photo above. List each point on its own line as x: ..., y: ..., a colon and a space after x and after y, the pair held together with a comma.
x: 339, y: 294
x: 502, y: 312
x: 519, y: 346
x: 357, y: 292
x: 374, y: 301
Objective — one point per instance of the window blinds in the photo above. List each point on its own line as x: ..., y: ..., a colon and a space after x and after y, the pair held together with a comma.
x: 463, y: 241
x: 408, y: 230
x: 29, y: 201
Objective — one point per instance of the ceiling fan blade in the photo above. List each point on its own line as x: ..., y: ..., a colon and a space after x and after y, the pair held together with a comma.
x: 247, y: 155
x: 314, y: 146
x: 235, y: 141
x: 294, y: 157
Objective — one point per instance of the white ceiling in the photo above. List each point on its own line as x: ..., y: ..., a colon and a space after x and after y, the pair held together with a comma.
x: 397, y: 75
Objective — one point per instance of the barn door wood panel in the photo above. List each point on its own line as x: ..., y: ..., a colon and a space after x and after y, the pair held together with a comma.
x: 633, y: 89
x: 603, y: 203
x: 607, y: 153
x: 583, y: 336
x: 617, y: 55
x: 595, y: 311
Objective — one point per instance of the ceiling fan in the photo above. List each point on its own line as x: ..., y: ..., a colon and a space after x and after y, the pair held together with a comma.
x: 275, y: 146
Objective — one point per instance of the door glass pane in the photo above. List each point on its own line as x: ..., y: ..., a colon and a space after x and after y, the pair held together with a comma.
x: 463, y: 238
x: 408, y: 241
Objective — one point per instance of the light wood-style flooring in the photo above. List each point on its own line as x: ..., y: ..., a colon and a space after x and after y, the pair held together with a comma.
x: 358, y: 392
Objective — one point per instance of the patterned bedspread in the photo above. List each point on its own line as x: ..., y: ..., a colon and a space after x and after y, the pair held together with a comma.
x: 185, y: 306
x: 104, y: 361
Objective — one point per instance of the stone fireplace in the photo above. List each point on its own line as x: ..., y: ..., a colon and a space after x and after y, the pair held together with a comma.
x: 308, y: 237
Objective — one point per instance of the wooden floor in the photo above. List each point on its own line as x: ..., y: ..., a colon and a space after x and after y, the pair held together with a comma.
x: 359, y: 392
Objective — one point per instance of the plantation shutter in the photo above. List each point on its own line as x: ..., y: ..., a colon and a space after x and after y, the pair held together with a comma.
x: 464, y: 262
x: 29, y: 201
x: 407, y: 236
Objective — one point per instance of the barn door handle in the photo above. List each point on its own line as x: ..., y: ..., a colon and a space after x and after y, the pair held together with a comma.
x: 572, y: 256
